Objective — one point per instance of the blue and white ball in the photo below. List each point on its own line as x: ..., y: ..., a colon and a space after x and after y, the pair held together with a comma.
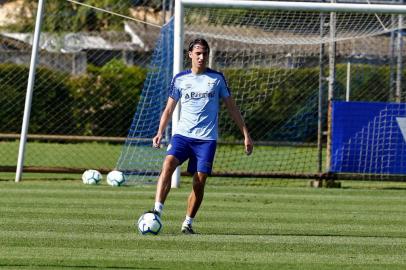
x: 91, y: 177
x: 149, y: 224
x: 115, y: 178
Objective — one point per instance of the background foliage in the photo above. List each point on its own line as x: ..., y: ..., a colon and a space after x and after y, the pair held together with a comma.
x: 107, y: 97
x: 103, y: 97
x: 75, y: 17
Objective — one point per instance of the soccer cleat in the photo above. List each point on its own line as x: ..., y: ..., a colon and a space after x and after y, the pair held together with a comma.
x: 153, y: 212
x: 187, y: 229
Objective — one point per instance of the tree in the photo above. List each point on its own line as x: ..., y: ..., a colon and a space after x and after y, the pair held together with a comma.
x: 64, y: 16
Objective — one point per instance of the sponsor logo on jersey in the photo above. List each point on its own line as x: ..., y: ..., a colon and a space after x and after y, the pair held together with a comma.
x: 198, y: 95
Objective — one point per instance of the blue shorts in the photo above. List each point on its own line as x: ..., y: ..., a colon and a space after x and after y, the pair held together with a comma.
x: 199, y: 152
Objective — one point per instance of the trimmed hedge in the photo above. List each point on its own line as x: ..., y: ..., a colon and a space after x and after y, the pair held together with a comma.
x: 101, y: 102
x: 50, y: 92
x: 105, y: 98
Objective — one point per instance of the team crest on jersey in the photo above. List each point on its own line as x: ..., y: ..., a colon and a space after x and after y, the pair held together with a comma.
x: 211, y: 83
x: 186, y: 87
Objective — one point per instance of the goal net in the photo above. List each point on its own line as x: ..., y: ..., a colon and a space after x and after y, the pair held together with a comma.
x: 284, y: 68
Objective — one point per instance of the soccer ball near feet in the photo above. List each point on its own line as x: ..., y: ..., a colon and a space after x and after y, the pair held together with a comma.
x: 149, y: 223
x: 115, y: 178
x: 91, y: 177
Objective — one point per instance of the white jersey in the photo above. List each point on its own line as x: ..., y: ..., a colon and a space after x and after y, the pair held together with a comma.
x: 199, y: 96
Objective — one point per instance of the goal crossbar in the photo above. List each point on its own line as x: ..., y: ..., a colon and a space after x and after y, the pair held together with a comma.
x: 297, y: 6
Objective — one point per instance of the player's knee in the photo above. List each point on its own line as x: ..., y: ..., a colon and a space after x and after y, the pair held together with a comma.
x: 170, y: 163
x: 199, y: 179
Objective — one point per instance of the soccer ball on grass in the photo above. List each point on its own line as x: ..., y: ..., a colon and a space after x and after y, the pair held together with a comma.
x: 149, y: 223
x: 91, y: 177
x: 115, y: 178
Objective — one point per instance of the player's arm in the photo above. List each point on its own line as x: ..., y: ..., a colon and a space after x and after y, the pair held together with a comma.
x: 236, y: 116
x: 166, y: 116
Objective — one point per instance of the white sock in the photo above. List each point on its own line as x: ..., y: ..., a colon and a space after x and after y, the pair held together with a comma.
x: 188, y: 220
x: 159, y: 207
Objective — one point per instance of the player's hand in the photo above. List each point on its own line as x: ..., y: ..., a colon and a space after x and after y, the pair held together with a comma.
x: 249, y: 145
x: 156, y: 141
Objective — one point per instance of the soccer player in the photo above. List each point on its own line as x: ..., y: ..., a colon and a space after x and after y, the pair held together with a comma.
x: 199, y: 91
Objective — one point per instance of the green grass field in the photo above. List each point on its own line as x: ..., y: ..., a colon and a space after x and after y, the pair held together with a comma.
x: 243, y: 224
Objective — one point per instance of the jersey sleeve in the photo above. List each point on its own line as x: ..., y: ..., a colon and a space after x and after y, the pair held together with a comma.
x: 224, y: 89
x: 174, y: 91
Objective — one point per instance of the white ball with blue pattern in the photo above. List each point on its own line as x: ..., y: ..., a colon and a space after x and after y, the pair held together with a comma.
x: 91, y: 177
x: 116, y: 178
x: 149, y: 224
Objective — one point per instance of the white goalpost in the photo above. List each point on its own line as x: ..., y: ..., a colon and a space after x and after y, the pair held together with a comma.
x: 30, y: 89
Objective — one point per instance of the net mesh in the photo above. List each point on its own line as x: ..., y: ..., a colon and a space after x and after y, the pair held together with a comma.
x: 103, y: 75
x: 90, y: 72
x: 137, y: 157
x: 271, y: 60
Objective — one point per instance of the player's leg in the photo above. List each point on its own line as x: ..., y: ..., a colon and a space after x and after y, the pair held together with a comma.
x: 164, y: 182
x: 196, y: 196
x: 177, y: 153
x: 200, y: 165
x: 194, y: 201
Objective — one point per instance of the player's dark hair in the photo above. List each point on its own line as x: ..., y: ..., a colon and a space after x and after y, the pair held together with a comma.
x: 201, y: 42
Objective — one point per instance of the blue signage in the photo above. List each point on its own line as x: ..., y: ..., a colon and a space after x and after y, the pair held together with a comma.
x: 368, y: 137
